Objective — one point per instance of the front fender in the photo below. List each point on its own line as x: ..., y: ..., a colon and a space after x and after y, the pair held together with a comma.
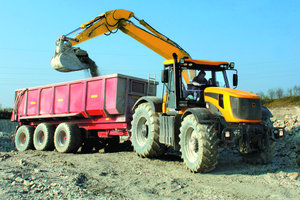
x: 266, y: 113
x: 155, y: 103
x: 202, y: 115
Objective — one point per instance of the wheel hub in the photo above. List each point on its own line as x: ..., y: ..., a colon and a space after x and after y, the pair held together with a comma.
x: 22, y: 139
x: 144, y: 130
x: 40, y: 137
x: 194, y: 142
x: 192, y: 145
x: 62, y: 138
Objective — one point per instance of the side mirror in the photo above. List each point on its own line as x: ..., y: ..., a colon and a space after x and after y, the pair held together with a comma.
x: 235, y: 80
x: 164, y: 76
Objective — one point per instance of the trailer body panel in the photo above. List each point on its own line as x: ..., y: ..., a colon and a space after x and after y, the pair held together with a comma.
x: 101, y: 103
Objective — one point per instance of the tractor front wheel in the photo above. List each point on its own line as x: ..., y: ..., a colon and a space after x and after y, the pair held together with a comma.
x: 198, y: 145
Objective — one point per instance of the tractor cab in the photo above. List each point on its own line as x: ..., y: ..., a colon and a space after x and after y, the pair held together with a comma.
x: 185, y: 81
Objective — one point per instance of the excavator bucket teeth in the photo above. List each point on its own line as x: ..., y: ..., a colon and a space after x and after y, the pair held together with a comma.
x: 67, y: 61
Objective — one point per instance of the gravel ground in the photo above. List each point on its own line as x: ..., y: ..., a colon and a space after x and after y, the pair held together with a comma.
x: 124, y: 175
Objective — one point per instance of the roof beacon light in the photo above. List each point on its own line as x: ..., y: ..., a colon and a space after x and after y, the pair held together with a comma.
x: 231, y: 65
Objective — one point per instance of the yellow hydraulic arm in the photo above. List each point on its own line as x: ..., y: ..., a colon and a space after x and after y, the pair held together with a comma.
x: 119, y: 19
x: 111, y: 21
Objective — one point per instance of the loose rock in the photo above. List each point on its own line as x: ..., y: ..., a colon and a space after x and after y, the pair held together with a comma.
x: 123, y: 175
x: 293, y: 176
x: 19, y: 179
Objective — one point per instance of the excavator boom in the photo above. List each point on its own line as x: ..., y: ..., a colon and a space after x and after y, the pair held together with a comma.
x: 105, y: 23
x: 110, y: 21
x: 65, y: 58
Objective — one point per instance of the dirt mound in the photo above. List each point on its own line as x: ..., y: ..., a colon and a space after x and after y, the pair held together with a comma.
x: 124, y: 175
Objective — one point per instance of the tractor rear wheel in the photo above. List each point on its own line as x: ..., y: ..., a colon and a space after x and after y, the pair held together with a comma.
x: 67, y: 138
x: 145, y: 132
x: 43, y: 137
x: 198, y: 145
x: 24, y: 138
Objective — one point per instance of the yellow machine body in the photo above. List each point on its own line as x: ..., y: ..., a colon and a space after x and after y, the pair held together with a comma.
x: 235, y: 105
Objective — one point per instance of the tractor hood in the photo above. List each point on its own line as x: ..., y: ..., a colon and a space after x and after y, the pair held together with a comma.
x: 235, y: 105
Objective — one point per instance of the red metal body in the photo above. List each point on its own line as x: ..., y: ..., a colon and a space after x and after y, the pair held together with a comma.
x: 102, y: 103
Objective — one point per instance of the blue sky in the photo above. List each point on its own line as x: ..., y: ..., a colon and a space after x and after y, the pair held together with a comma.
x: 261, y: 36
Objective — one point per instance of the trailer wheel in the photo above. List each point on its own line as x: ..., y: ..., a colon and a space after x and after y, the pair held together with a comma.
x: 263, y: 156
x: 24, y: 138
x: 43, y: 137
x: 145, y: 132
x: 198, y: 145
x: 67, y: 138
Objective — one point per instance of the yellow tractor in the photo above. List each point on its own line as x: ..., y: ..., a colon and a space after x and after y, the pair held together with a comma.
x: 198, y: 113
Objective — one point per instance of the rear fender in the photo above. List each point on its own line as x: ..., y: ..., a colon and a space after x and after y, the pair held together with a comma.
x: 155, y: 103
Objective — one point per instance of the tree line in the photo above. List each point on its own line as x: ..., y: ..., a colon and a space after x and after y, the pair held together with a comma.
x: 280, y: 93
x: 5, y: 113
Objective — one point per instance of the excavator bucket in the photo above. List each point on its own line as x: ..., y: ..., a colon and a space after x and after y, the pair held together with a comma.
x: 67, y: 61
x: 68, y: 58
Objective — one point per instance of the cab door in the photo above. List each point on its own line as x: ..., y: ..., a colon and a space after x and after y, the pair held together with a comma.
x: 171, y: 89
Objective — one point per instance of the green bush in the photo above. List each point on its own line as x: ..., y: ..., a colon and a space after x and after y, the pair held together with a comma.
x: 5, y: 113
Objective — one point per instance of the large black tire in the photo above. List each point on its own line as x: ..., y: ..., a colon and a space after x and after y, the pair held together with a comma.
x: 198, y: 145
x: 145, y: 132
x: 43, y: 137
x: 24, y: 138
x: 263, y: 156
x: 67, y: 138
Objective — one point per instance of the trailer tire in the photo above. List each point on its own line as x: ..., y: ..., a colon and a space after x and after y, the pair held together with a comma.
x: 145, y: 132
x: 43, y: 137
x: 67, y: 138
x: 24, y: 138
x: 198, y: 145
x: 262, y: 156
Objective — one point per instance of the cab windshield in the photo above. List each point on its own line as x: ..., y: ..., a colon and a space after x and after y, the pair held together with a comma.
x: 204, y: 78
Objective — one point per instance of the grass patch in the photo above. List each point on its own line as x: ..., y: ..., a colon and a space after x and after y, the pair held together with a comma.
x: 282, y: 102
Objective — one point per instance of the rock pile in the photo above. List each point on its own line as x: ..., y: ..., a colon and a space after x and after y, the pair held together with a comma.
x: 6, y: 142
x: 291, y: 125
x: 25, y: 180
x: 6, y: 135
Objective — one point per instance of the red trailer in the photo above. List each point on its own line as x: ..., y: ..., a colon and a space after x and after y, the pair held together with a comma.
x: 67, y: 115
